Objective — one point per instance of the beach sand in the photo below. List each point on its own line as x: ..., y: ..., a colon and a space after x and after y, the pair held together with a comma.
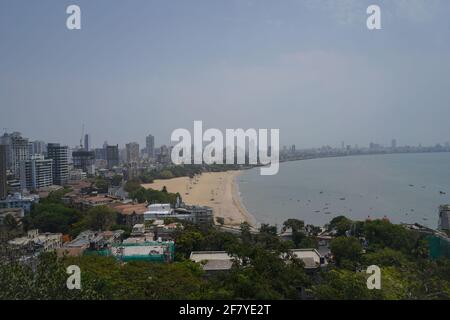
x: 217, y: 190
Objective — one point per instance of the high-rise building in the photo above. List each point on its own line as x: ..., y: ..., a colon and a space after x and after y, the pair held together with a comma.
x: 150, y: 145
x: 394, y: 144
x: 132, y: 151
x: 59, y: 155
x: 112, y: 156
x: 3, y: 192
x: 36, y: 173
x: 87, y: 142
x: 84, y: 160
x: 38, y: 147
x: 17, y: 150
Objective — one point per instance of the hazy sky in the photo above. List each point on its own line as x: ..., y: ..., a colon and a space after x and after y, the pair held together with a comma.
x: 308, y: 67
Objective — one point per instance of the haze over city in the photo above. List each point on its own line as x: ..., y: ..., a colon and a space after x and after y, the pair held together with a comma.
x: 310, y: 68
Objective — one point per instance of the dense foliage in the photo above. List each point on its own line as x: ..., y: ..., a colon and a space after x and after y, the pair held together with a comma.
x: 263, y: 267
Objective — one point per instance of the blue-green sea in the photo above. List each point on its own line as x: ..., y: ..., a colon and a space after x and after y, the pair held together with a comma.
x: 404, y: 187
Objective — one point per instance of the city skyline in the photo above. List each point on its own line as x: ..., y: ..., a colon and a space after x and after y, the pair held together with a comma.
x: 309, y: 68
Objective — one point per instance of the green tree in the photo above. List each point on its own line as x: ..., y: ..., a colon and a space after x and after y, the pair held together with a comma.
x: 166, y: 174
x: 100, y: 218
x: 345, y: 249
x: 10, y: 222
x: 132, y: 186
x: 341, y: 225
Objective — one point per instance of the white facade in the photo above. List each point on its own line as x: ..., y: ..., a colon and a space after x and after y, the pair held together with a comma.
x: 158, y: 211
x: 36, y: 173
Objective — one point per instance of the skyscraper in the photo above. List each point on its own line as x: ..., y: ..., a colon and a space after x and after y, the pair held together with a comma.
x: 150, y: 146
x: 132, y: 150
x: 17, y: 150
x: 36, y: 173
x: 3, y: 192
x: 394, y: 144
x: 112, y: 156
x: 87, y: 142
x: 59, y: 155
x: 38, y: 147
x: 84, y: 160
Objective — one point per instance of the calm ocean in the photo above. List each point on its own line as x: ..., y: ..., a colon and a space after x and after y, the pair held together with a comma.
x: 404, y: 187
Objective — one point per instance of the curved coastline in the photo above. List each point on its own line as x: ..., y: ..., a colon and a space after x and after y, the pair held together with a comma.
x: 218, y: 190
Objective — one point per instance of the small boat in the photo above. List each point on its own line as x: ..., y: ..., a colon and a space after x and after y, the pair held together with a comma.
x: 328, y: 212
x: 411, y: 185
x: 442, y: 192
x: 342, y: 198
x: 317, y: 211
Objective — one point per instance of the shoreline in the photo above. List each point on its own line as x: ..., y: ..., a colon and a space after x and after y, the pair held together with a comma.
x: 218, y: 190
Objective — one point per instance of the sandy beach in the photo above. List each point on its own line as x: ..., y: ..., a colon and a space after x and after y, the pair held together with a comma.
x: 217, y: 190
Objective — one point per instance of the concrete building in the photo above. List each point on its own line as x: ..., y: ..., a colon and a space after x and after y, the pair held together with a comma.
x: 35, y: 241
x: 3, y: 177
x: 158, y: 211
x: 84, y: 160
x: 76, y: 175
x: 38, y: 147
x: 91, y: 241
x: 194, y: 214
x: 444, y: 217
x: 132, y: 152
x: 59, y: 155
x: 130, y: 213
x: 19, y: 201
x: 112, y: 156
x: 151, y: 251
x: 16, y: 213
x: 150, y: 146
x: 17, y: 150
x: 311, y: 258
x: 212, y: 261
x: 87, y: 142
x: 36, y: 173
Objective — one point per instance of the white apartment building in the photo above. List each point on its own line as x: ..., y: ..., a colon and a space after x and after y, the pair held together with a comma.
x: 36, y: 173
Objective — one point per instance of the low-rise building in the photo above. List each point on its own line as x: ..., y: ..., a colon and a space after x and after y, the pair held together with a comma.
x: 193, y: 214
x: 217, y: 261
x: 19, y: 201
x: 212, y: 261
x: 151, y: 251
x: 311, y: 258
x: 130, y: 213
x: 90, y: 240
x: 16, y: 213
x: 38, y: 242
